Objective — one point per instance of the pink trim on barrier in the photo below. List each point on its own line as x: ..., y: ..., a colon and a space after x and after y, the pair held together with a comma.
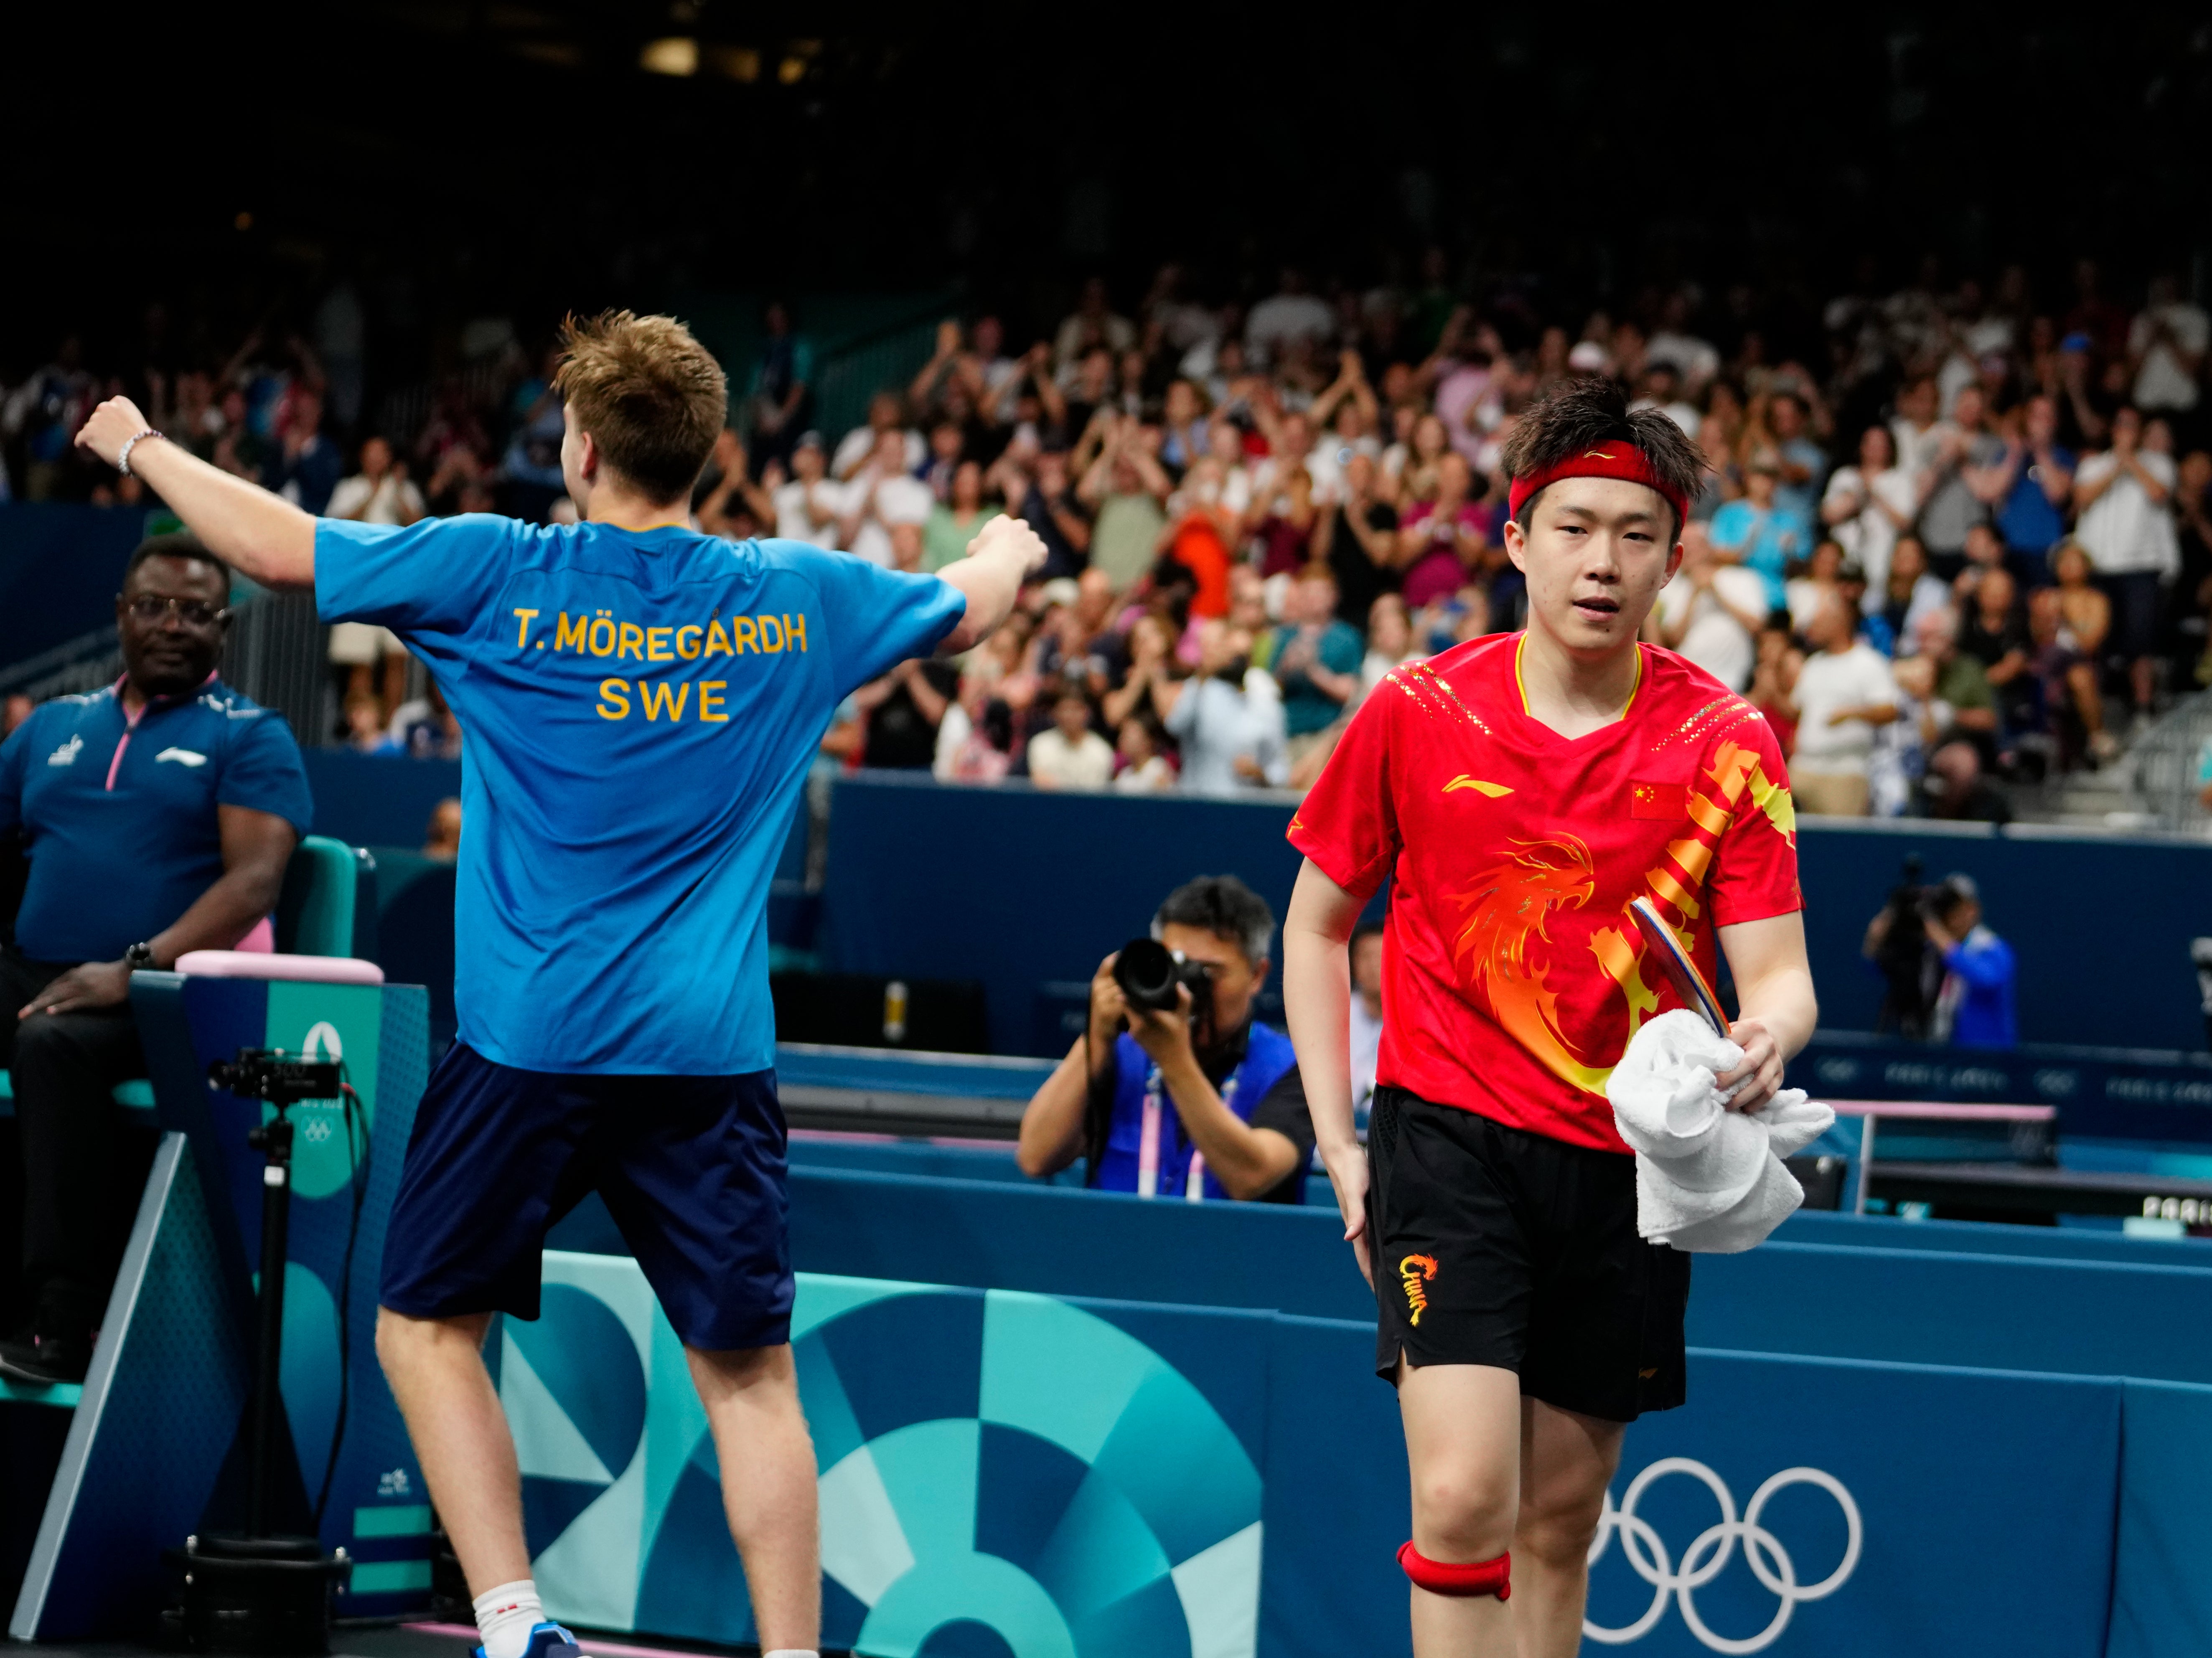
x: 262, y: 941
x: 1940, y: 1111
x: 249, y: 964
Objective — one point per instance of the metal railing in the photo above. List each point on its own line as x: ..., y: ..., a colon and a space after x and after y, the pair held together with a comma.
x: 75, y: 665
x: 2165, y: 764
x: 886, y: 360
x: 278, y: 654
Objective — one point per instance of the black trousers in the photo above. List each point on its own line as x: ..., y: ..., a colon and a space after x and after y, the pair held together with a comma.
x: 83, y: 1164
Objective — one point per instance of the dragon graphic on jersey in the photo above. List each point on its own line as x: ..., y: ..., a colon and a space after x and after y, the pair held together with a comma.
x: 1504, y: 907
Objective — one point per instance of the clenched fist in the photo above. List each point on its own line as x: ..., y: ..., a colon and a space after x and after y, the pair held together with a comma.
x: 112, y: 425
x: 1010, y: 538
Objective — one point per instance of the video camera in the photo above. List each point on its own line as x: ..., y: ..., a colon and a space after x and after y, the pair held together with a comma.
x: 1150, y: 973
x: 271, y: 1074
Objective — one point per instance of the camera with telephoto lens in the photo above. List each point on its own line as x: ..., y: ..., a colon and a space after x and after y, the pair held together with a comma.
x: 1149, y: 974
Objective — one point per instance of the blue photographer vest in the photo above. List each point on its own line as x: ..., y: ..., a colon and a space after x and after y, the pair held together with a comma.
x: 1138, y: 1095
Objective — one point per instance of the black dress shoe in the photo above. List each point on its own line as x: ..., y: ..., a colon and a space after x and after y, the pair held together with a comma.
x: 46, y: 1360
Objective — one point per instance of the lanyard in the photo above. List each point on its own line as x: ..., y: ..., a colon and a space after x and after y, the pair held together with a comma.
x: 1148, y: 1144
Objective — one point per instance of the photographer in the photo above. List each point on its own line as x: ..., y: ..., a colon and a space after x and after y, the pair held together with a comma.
x: 1236, y: 1124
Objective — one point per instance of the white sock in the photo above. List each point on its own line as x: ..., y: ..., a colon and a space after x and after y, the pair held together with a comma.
x: 506, y: 1615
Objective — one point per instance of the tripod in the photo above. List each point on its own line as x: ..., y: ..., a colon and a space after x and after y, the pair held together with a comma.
x: 263, y: 1591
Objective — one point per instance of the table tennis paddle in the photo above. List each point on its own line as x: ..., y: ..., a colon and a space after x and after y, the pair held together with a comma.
x: 1681, y: 972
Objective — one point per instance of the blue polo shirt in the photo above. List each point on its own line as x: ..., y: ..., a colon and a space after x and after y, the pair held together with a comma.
x: 640, y: 708
x: 118, y: 819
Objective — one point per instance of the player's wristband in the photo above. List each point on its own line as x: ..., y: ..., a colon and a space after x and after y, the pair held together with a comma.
x: 123, y: 460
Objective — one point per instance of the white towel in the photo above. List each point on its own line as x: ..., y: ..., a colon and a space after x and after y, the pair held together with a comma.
x: 1707, y: 1179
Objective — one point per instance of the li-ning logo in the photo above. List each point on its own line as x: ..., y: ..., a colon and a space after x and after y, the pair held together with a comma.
x: 1711, y: 1550
x: 1596, y: 454
x: 1417, y: 1271
x: 66, y: 755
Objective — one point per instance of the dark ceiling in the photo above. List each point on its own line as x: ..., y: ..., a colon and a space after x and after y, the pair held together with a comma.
x: 525, y: 157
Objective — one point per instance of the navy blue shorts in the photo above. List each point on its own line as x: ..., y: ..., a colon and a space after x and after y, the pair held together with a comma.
x: 691, y: 1168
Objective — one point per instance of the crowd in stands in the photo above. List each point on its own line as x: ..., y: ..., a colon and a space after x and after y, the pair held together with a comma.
x: 1972, y: 543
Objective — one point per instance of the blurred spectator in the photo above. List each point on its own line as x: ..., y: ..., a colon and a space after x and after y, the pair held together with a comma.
x: 1070, y: 755
x: 954, y: 522
x: 1443, y: 535
x: 15, y: 712
x: 1758, y: 533
x: 781, y: 395
x: 1389, y: 642
x: 1053, y: 509
x: 863, y: 446
x: 1232, y: 734
x: 1199, y: 1102
x: 2165, y: 349
x: 1288, y: 317
x: 379, y: 493
x: 1994, y: 633
x: 2191, y: 607
x: 1962, y: 684
x: 365, y: 731
x: 2123, y: 497
x: 1867, y: 506
x: 1964, y: 478
x: 2032, y: 509
x: 1776, y: 664
x: 1805, y: 593
x: 425, y: 728
x: 1956, y: 789
x: 1911, y: 593
x: 1125, y: 487
x: 2078, y: 617
x: 1092, y: 324
x: 902, y: 711
x: 806, y: 504
x: 882, y: 493
x: 1899, y: 758
x: 1711, y: 611
x: 1975, y: 1008
x: 442, y: 840
x: 1357, y: 533
x: 307, y: 466
x: 1143, y: 768
x: 734, y: 506
x: 1803, y: 464
x: 1315, y: 660
x: 1843, y: 693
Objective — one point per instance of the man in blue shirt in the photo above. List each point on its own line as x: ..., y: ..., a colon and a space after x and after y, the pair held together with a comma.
x: 642, y: 703
x: 155, y: 817
x: 1174, y: 1105
x: 1974, y: 1008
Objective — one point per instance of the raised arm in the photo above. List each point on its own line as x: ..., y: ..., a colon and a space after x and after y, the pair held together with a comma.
x: 260, y: 534
x: 1317, y: 1004
x: 990, y: 578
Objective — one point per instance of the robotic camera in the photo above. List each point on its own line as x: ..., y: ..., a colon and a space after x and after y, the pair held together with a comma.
x: 281, y: 1079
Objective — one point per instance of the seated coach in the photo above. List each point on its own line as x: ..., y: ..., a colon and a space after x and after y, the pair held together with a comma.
x: 157, y: 816
x: 1198, y: 1100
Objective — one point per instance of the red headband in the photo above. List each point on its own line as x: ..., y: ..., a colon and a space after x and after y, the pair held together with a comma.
x: 1618, y: 458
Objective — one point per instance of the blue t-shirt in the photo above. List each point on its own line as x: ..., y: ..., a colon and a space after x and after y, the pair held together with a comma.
x: 2027, y: 519
x: 119, y: 821
x: 1976, y: 999
x: 1768, y: 542
x: 640, y: 708
x: 1306, y: 707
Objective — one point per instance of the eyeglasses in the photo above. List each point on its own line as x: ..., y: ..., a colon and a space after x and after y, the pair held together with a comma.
x: 192, y: 612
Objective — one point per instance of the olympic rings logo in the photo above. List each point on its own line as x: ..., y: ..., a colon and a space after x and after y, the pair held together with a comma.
x: 1708, y: 1555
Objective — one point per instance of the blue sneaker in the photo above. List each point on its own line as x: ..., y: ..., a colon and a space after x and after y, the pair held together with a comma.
x: 547, y: 1641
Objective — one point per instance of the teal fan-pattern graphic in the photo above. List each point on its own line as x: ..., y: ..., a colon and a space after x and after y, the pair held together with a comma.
x: 1001, y: 1473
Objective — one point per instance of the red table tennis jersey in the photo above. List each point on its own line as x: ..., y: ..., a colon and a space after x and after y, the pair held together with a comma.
x: 1513, y: 976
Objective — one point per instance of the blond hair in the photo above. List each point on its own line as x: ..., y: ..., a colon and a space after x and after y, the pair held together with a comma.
x: 652, y: 398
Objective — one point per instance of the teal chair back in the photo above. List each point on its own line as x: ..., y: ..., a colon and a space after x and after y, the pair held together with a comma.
x: 328, y: 904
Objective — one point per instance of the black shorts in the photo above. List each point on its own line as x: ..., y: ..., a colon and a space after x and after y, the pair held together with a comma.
x: 691, y: 1168
x: 1496, y: 1245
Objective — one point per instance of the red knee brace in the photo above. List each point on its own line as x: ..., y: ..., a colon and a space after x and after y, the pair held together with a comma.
x: 1449, y: 1577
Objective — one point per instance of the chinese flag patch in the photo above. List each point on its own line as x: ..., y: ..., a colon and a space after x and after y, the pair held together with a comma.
x: 1658, y: 800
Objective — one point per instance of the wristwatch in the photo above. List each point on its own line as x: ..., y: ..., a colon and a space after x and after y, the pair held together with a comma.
x: 138, y: 956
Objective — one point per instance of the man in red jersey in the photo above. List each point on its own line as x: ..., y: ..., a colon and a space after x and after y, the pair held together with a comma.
x: 1521, y: 789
